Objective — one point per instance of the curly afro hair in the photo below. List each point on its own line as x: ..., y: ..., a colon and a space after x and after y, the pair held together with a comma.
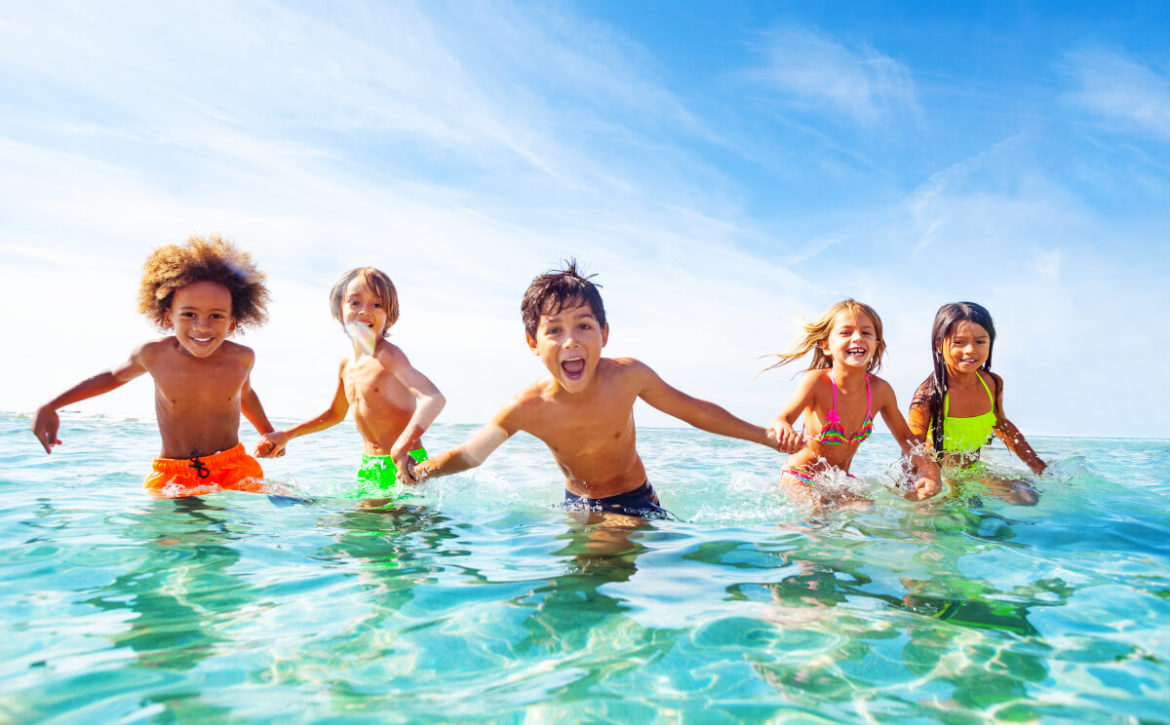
x: 210, y: 259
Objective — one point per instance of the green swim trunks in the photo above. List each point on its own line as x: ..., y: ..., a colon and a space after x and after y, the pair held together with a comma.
x: 378, y: 476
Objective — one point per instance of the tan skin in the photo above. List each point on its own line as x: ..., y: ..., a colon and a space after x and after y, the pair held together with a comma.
x: 964, y: 351
x: 851, y: 344
x: 201, y: 379
x: 392, y: 402
x: 583, y: 411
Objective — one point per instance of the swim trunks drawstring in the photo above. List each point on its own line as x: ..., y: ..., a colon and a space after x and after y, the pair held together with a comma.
x: 201, y: 469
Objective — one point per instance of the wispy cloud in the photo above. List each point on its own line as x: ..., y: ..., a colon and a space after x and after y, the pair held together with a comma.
x: 815, y: 71
x: 1121, y: 90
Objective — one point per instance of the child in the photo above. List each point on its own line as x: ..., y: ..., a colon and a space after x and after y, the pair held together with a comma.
x: 203, y: 292
x: 838, y: 398
x: 393, y: 404
x: 584, y: 409
x: 962, y: 384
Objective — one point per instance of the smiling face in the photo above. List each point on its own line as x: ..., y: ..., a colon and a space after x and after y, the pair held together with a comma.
x: 966, y: 349
x: 362, y: 307
x: 201, y: 316
x: 852, y: 341
x: 569, y: 344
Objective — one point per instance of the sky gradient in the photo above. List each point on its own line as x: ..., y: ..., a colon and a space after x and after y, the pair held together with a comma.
x: 724, y: 169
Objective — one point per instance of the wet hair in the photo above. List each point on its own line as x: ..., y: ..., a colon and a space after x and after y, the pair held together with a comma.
x: 945, y: 320
x: 557, y: 289
x: 816, y: 332
x: 377, y: 282
x: 210, y: 259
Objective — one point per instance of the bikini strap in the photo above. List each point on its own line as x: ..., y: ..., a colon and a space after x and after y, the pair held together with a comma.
x: 986, y: 389
x: 868, y: 399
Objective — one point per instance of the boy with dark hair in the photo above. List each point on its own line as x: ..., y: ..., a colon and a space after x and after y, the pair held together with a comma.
x: 583, y: 410
x: 202, y: 291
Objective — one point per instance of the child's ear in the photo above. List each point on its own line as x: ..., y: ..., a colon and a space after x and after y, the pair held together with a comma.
x: 167, y: 323
x: 604, y: 334
x: 531, y: 343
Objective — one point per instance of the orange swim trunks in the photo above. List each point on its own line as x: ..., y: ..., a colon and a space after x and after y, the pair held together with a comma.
x: 231, y: 469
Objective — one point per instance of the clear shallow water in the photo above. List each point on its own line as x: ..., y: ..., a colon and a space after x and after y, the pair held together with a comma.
x: 480, y: 601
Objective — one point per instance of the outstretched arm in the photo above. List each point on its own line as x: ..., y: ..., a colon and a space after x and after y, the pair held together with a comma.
x: 462, y: 457
x: 780, y: 430
x: 45, y: 420
x: 1016, y: 443
x: 927, y: 481
x: 1011, y: 435
x: 272, y: 444
x: 701, y: 414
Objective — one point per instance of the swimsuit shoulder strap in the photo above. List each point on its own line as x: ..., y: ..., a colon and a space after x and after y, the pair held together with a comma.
x: 868, y: 398
x: 986, y: 389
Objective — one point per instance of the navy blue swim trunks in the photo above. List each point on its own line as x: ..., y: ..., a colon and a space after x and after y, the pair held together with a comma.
x: 641, y: 501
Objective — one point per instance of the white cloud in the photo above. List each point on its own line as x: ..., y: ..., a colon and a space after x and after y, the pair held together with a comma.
x: 1122, y: 90
x: 815, y: 71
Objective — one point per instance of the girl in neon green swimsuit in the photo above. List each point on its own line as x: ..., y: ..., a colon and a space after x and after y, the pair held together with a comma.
x: 959, y: 407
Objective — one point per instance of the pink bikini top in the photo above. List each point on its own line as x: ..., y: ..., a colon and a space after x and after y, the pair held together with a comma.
x: 833, y: 433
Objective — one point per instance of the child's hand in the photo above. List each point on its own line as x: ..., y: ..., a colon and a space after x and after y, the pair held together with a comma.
x: 785, y: 437
x: 924, y: 487
x: 44, y: 427
x: 271, y: 445
x: 412, y: 473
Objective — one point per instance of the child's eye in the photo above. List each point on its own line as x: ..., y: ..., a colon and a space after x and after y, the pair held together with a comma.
x: 378, y: 305
x: 553, y: 330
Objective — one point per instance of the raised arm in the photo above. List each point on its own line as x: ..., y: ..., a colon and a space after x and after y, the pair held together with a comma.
x: 1011, y: 435
x: 46, y: 421
x: 272, y: 444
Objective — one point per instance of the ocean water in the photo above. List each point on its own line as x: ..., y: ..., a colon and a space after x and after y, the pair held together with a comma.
x: 479, y: 600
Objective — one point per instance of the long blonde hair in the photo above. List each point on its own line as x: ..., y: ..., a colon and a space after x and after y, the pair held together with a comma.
x: 816, y: 332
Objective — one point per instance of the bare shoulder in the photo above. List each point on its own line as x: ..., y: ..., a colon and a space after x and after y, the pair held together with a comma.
x: 623, y: 366
x: 811, y: 378
x: 523, y: 410
x: 235, y: 350
x: 881, y: 390
x: 389, y: 354
x: 151, y: 351
x: 157, y: 346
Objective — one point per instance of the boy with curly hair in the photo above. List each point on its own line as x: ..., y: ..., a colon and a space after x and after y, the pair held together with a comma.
x: 202, y: 291
x: 393, y: 403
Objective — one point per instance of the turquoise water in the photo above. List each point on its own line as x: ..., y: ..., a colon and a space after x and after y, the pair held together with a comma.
x: 480, y: 601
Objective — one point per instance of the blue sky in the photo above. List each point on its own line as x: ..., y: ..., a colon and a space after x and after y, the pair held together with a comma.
x: 724, y: 169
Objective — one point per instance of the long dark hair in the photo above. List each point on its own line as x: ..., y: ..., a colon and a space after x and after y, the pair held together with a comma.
x: 945, y: 320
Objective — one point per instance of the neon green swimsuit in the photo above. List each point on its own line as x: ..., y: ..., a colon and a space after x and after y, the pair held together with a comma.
x: 377, y: 476
x: 967, y: 435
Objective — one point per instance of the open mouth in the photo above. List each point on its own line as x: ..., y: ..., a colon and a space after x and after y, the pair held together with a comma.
x: 201, y: 340
x: 573, y: 368
x: 855, y: 352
